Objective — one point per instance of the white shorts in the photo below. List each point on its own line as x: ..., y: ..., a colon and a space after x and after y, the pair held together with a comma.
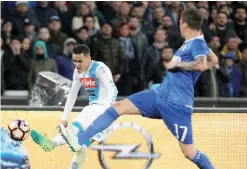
x: 88, y: 115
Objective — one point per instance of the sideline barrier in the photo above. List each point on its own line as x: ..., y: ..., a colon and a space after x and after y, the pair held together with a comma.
x: 222, y: 136
x: 198, y: 102
x: 78, y: 109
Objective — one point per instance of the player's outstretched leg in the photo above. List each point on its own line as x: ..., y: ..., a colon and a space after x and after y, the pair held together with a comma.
x: 41, y: 140
x: 49, y: 144
x: 100, y: 124
x: 197, y: 157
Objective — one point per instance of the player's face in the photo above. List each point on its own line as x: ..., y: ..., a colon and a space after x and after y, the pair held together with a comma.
x: 81, y: 62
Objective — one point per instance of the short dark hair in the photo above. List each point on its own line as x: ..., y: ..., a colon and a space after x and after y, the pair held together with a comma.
x: 240, y: 7
x: 193, y: 18
x: 167, y: 47
x: 82, y: 28
x: 222, y: 12
x: 81, y: 48
x: 88, y: 16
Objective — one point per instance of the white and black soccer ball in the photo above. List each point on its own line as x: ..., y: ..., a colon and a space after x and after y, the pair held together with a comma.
x: 18, y: 130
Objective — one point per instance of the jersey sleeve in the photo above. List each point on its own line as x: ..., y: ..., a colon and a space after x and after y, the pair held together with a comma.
x: 76, y: 85
x: 105, y: 76
x: 199, y: 48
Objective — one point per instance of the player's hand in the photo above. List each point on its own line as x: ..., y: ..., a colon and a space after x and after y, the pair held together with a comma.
x: 171, y: 65
x: 64, y: 123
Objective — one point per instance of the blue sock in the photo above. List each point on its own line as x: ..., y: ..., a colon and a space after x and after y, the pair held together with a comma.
x: 78, y: 125
x: 98, y: 125
x: 202, y: 161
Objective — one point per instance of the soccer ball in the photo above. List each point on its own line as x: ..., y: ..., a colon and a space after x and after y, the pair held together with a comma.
x: 18, y: 130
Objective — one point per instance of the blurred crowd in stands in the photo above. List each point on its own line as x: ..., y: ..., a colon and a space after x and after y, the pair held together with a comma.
x: 132, y: 38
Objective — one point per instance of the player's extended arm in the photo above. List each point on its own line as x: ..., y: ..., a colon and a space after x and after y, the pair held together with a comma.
x: 71, y: 97
x: 200, y: 64
x: 105, y: 75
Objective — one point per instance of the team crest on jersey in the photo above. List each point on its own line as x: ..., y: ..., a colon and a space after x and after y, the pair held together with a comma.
x: 176, y: 58
x: 88, y: 82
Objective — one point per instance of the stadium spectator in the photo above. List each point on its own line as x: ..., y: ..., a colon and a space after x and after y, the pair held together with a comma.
x: 240, y: 24
x: 123, y: 16
x: 174, y: 38
x: 40, y: 61
x: 243, y: 70
x: 64, y: 62
x: 108, y: 50
x: 99, y: 18
x: 159, y: 71
x: 26, y: 47
x: 232, y: 46
x: 152, y: 5
x: 153, y: 56
x: 206, y: 31
x: 140, y: 41
x: 203, y: 4
x: 175, y: 11
x: 57, y: 36
x: 221, y: 28
x: 159, y: 13
x: 6, y: 32
x: 129, y: 78
x: 145, y: 26
x: 82, y: 37
x: 214, y: 44
x: 52, y: 49
x: 29, y: 29
x: 16, y: 66
x: 20, y: 14
x: 78, y: 21
x: 109, y: 9
x: 226, y: 9
x: 66, y: 15
x: 224, y: 28
x: 232, y: 89
x: 44, y: 12
x: 191, y: 4
x: 213, y: 18
x: 89, y: 22
x: 206, y: 85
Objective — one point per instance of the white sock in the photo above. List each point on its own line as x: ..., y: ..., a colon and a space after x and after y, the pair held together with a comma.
x: 58, y: 140
x: 79, y: 158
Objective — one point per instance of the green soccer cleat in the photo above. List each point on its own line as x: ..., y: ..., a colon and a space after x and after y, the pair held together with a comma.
x: 41, y: 140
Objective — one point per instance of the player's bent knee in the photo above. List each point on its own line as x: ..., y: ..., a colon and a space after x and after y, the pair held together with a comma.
x: 125, y: 107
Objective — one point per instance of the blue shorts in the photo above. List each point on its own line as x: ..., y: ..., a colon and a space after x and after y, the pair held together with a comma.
x: 177, y: 117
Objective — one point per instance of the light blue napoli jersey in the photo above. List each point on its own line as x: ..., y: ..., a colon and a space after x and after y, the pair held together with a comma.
x: 178, y: 85
x: 98, y: 83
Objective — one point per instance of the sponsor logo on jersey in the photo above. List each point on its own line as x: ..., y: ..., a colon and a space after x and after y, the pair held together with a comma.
x: 88, y: 82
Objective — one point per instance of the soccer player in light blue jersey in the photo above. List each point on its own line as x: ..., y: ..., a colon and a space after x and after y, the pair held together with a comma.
x: 171, y: 101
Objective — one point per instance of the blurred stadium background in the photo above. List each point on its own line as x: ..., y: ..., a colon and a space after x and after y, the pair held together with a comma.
x: 34, y: 87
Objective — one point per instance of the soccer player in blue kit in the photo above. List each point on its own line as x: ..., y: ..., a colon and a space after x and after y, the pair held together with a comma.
x: 171, y: 101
